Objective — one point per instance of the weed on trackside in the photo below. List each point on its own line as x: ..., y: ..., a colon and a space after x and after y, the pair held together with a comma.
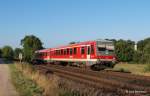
x: 24, y: 85
x: 30, y: 82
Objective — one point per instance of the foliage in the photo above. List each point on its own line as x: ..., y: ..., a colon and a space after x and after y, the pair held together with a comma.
x: 7, y: 52
x: 143, y: 52
x: 0, y: 53
x: 137, y: 57
x: 73, y: 42
x: 124, y: 50
x: 17, y: 51
x: 30, y: 44
x: 49, y: 85
x: 142, y: 43
x: 24, y: 85
x: 147, y: 48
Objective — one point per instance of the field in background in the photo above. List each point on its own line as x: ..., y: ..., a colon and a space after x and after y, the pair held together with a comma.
x: 138, y: 69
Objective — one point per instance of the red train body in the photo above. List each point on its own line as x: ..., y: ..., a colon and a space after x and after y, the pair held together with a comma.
x: 89, y: 53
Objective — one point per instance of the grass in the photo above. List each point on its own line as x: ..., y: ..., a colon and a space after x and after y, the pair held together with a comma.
x: 24, y: 85
x: 138, y: 69
x: 123, y: 70
x: 147, y: 68
x: 29, y: 82
x: 48, y: 85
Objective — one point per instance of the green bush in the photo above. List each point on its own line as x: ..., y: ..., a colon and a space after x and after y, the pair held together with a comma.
x: 7, y: 52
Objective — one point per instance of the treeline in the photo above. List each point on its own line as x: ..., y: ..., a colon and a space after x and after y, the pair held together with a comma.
x: 29, y: 44
x: 124, y: 50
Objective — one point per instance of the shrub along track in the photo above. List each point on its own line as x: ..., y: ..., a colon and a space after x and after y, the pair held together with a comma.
x: 108, y: 81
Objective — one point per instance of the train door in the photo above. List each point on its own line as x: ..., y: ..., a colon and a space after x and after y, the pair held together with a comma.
x: 88, y: 51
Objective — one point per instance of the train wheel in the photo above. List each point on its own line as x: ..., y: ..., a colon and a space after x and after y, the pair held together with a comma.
x: 98, y: 67
x: 64, y: 63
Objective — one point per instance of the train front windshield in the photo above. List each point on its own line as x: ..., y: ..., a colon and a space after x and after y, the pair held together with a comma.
x: 105, y: 48
x: 105, y: 51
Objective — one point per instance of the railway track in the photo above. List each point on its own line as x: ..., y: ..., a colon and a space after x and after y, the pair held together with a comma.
x: 118, y: 76
x: 106, y: 80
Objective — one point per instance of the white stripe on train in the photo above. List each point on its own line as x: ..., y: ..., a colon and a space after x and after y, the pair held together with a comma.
x: 60, y: 59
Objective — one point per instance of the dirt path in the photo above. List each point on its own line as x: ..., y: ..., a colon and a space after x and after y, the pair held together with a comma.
x: 6, y: 88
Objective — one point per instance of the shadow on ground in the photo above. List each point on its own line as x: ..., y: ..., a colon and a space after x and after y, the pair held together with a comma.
x: 5, y: 61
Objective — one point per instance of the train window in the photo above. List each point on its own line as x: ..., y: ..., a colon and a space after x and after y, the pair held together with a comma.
x: 82, y: 50
x: 54, y: 52
x: 70, y: 51
x: 62, y: 51
x: 40, y: 54
x: 67, y: 51
x: 75, y: 50
x: 59, y: 52
x: 92, y: 49
x: 45, y: 54
x: 88, y: 50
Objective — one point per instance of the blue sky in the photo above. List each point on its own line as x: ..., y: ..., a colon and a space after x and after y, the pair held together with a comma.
x: 57, y: 22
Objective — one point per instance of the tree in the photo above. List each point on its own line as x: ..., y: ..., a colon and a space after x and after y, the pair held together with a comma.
x: 30, y: 44
x: 7, y: 52
x: 124, y: 50
x: 17, y: 51
x: 74, y: 42
x: 141, y: 44
x: 0, y: 53
x: 144, y: 50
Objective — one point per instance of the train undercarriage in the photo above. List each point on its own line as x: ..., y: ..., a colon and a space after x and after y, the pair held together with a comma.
x: 97, y: 66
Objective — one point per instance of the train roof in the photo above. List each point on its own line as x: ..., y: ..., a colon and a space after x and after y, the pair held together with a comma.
x: 81, y: 43
x: 43, y: 50
x: 71, y: 45
x: 103, y: 40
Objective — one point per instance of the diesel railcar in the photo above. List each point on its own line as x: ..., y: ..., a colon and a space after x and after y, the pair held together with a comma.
x: 97, y: 54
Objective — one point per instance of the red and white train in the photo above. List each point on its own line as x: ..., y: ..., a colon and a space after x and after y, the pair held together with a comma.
x: 97, y: 54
